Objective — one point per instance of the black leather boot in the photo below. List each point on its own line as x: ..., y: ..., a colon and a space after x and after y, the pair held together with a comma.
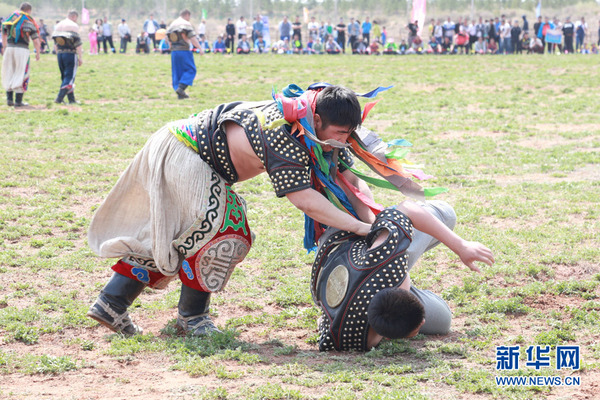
x: 19, y: 100
x: 110, y: 309
x: 193, y: 312
x: 71, y: 97
x: 61, y: 96
x: 181, y: 94
x: 9, y: 99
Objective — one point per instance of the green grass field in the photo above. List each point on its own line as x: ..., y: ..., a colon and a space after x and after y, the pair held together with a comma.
x: 516, y: 139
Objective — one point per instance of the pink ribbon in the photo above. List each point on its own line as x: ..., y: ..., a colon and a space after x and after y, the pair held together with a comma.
x: 366, y: 200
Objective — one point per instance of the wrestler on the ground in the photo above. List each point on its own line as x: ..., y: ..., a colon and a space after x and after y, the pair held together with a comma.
x: 69, y: 54
x: 183, y: 68
x: 363, y: 285
x: 174, y: 212
x: 17, y: 31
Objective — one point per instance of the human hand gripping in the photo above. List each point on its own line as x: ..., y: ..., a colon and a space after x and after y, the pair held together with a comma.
x: 363, y: 229
x: 469, y: 252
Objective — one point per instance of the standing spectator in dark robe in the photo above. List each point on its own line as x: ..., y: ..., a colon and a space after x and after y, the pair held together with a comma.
x: 413, y: 28
x: 341, y: 35
x: 580, y: 32
x: 515, y: 37
x: 44, y: 35
x: 230, y: 32
x: 568, y: 30
x: 525, y: 24
x: 297, y: 28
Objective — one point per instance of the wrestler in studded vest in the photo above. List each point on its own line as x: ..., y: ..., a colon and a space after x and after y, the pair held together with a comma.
x: 66, y: 41
x: 347, y: 273
x: 284, y: 157
x: 19, y: 29
x: 178, y: 33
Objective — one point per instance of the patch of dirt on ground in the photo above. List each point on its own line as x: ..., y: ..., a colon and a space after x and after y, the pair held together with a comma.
x: 149, y: 376
x: 587, y: 173
x: 379, y: 125
x: 581, y: 271
x: 467, y: 134
x: 550, y: 302
x: 589, y: 389
x: 505, y: 224
x: 547, y: 142
x: 566, y: 127
x: 23, y: 192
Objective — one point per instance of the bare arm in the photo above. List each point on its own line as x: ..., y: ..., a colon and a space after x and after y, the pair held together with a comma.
x: 364, y: 213
x: 79, y: 56
x: 469, y: 252
x: 196, y: 43
x: 316, y: 206
x: 192, y: 39
x: 37, y: 43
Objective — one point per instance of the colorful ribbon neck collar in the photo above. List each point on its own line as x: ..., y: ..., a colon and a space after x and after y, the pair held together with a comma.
x: 298, y: 109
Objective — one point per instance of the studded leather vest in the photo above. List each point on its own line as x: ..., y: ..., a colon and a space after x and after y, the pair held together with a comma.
x: 347, y: 274
x: 28, y: 32
x: 284, y: 157
x: 177, y: 40
x: 66, y: 42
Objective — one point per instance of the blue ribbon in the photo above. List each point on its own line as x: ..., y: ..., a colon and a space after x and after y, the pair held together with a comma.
x: 399, y: 142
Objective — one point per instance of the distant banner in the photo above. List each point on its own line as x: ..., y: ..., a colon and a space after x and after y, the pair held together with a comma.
x: 538, y: 9
x: 554, y: 36
x: 419, y: 10
x: 305, y: 15
x: 204, y: 13
x: 85, y: 16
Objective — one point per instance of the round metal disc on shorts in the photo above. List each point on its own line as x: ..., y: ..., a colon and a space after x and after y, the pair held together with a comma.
x: 337, y: 285
x: 173, y: 37
x: 60, y: 41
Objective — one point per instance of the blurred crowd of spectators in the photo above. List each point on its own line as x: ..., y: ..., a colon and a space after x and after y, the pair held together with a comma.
x: 500, y: 35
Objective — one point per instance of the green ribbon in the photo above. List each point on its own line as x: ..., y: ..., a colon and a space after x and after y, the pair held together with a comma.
x: 398, y: 153
x: 429, y: 192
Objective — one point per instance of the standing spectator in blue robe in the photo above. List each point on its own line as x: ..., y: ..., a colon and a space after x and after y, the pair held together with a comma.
x: 181, y: 34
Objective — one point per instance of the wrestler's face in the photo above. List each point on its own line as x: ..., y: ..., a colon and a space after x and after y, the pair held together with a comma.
x: 335, y: 132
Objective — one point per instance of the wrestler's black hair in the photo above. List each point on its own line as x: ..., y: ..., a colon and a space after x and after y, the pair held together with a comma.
x: 25, y: 7
x: 394, y: 313
x: 338, y: 106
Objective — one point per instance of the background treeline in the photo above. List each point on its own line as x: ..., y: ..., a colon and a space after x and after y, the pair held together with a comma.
x: 235, y: 8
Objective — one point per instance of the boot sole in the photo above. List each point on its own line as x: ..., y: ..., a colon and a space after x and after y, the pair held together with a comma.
x: 109, y: 326
x: 101, y: 321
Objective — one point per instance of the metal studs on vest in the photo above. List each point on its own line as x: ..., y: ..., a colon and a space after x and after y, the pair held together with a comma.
x: 347, y: 266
